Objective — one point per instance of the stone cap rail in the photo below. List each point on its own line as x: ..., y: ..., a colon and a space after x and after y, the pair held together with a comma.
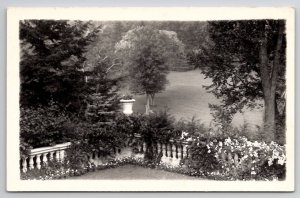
x: 173, y: 141
x: 48, y: 149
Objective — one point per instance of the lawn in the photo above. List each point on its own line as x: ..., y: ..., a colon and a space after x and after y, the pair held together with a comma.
x: 185, y: 97
x: 133, y: 172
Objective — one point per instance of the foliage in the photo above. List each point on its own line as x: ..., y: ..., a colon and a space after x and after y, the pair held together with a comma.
x: 156, y: 127
x: 190, y: 129
x: 241, y: 62
x: 127, y: 97
x: 256, y: 160
x: 41, y: 126
x: 201, y: 161
x: 212, y: 160
x: 147, y: 54
x: 103, y: 99
x: 235, y: 71
x: 52, y: 62
x: 221, y: 123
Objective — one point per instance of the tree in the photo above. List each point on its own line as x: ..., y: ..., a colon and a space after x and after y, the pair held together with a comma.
x: 103, y: 100
x: 247, y: 63
x: 147, y: 54
x: 52, y: 57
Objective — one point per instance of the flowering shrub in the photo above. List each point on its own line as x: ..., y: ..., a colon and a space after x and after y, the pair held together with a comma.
x: 243, y: 159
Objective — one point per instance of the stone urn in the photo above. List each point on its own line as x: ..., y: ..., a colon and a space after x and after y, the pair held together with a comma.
x: 127, y: 105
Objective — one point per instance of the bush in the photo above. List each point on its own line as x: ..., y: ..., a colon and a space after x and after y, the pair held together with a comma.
x: 156, y: 127
x: 192, y: 129
x: 256, y: 160
x: 41, y: 126
x: 201, y: 161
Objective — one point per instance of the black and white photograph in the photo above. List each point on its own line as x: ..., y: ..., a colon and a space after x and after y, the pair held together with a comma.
x: 155, y: 100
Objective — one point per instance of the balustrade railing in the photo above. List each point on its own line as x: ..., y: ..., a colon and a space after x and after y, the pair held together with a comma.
x: 171, y: 153
x: 40, y: 156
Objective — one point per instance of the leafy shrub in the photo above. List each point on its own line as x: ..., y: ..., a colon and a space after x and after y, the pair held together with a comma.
x: 41, y: 126
x: 157, y: 127
x: 191, y: 129
x: 201, y: 161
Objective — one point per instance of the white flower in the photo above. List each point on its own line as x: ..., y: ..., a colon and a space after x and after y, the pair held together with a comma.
x: 208, y: 151
x: 253, y: 173
x: 256, y: 144
x: 255, y: 154
x: 270, y: 162
x: 220, y: 144
x: 275, y: 154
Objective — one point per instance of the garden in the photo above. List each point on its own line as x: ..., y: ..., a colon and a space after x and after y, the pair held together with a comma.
x: 91, y: 99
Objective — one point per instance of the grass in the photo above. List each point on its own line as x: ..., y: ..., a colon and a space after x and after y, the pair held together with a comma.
x: 185, y: 97
x: 133, y: 172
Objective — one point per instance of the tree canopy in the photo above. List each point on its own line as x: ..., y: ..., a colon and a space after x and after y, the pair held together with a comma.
x: 246, y: 62
x: 148, y: 54
x: 52, y: 57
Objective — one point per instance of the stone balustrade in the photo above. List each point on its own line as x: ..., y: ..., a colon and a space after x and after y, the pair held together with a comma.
x: 230, y: 158
x: 40, y: 156
x: 170, y: 153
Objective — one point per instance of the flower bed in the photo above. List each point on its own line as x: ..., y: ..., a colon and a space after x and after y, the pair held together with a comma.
x: 243, y: 159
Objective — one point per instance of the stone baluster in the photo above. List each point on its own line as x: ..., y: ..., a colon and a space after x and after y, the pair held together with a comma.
x: 31, y: 162
x: 174, y: 154
x: 223, y: 156
x: 62, y: 155
x: 236, y: 159
x: 138, y: 145
x: 144, y: 147
x: 141, y: 146
x: 229, y: 158
x: 44, y: 159
x: 169, y: 147
x: 96, y: 161
x: 179, y: 152
x: 90, y: 155
x: 154, y: 146
x: 24, y: 165
x: 38, y: 161
x: 51, y: 155
x: 184, y: 151
x: 57, y: 157
x: 158, y: 148
x: 163, y: 149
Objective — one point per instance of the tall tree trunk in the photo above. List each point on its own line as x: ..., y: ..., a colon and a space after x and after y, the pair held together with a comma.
x: 147, y: 104
x: 269, y: 78
x: 269, y: 118
x: 152, y: 99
